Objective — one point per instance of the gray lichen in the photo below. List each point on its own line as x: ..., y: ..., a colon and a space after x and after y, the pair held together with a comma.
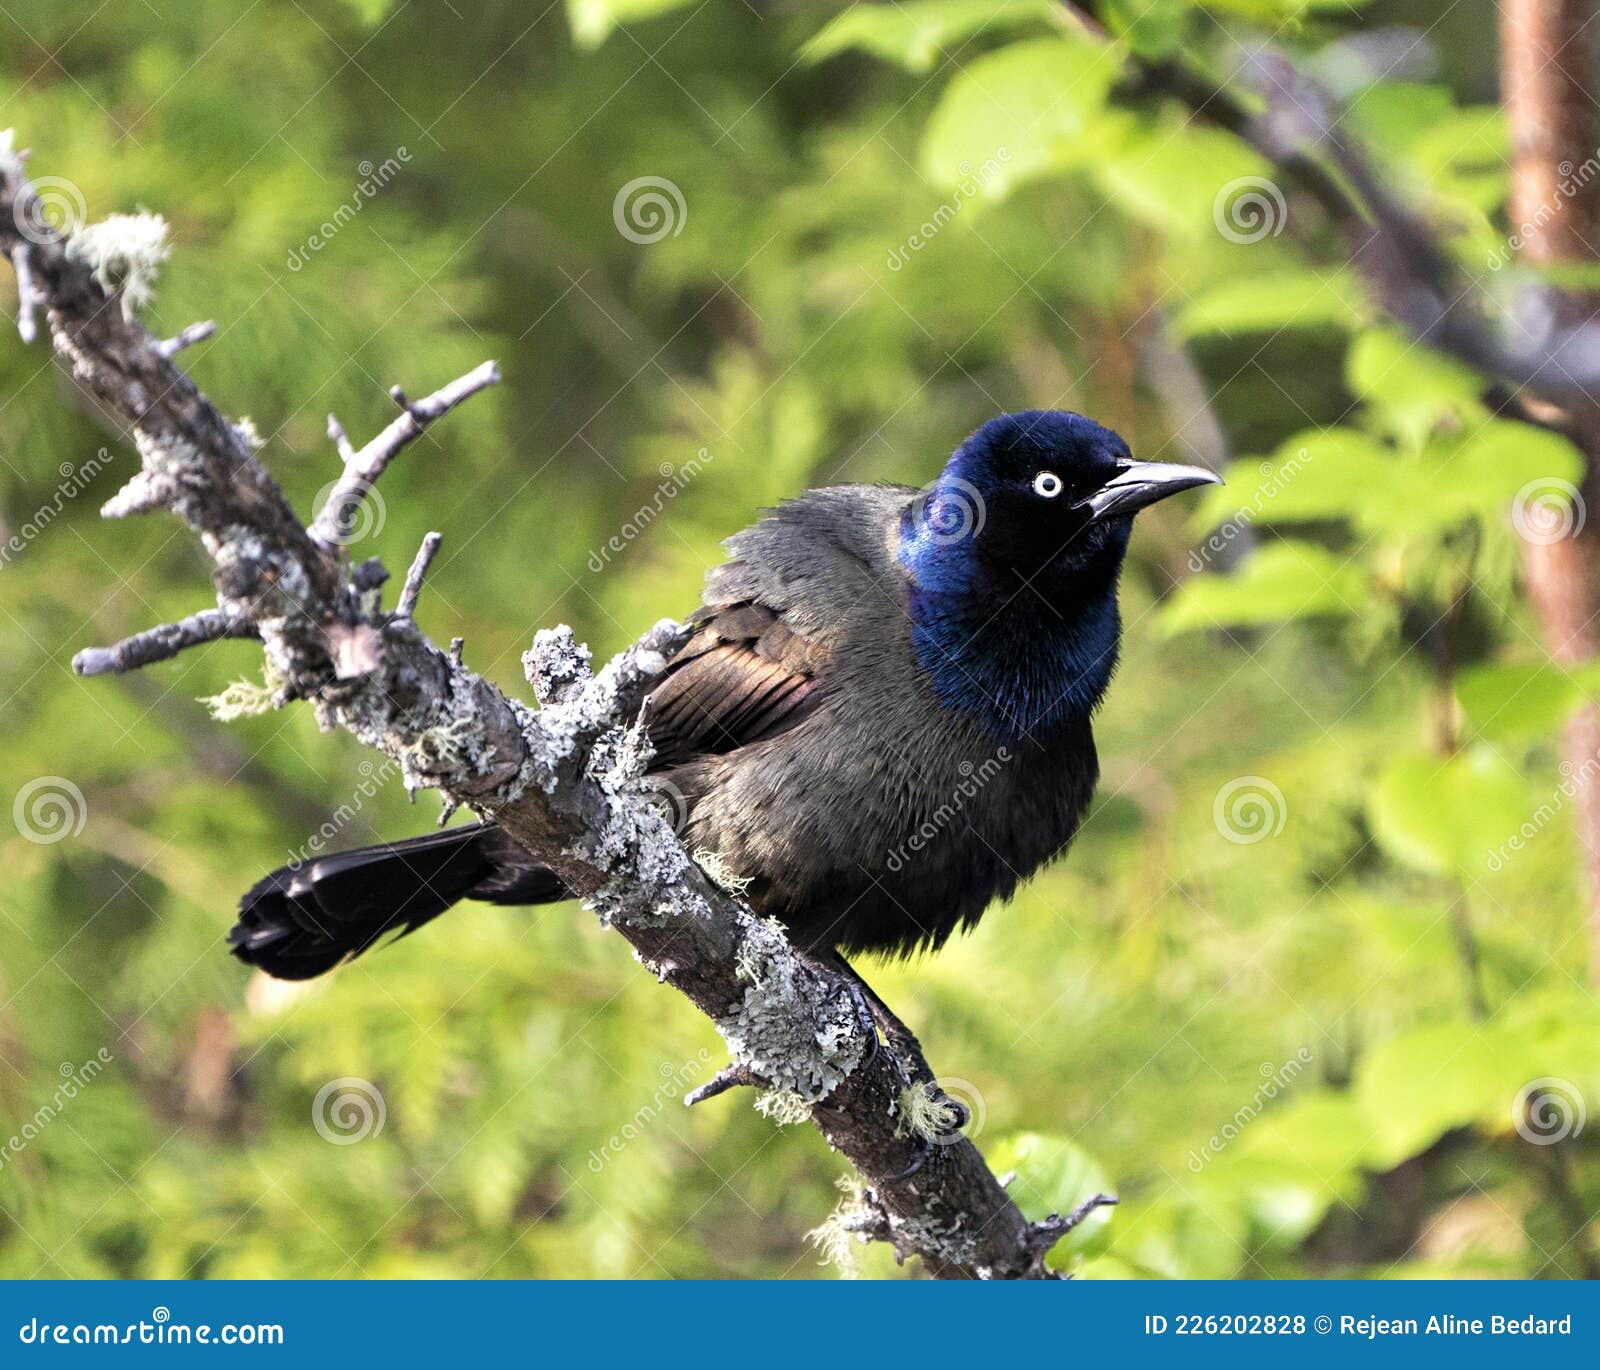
x: 125, y: 252
x: 10, y: 158
x: 849, y: 1227
x: 780, y: 1030
x: 927, y: 1112
x: 244, y: 699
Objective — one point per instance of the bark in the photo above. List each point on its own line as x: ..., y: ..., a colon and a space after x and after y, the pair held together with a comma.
x: 1545, y: 65
x: 564, y: 780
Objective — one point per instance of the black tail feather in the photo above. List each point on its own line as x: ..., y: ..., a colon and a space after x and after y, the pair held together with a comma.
x: 303, y: 920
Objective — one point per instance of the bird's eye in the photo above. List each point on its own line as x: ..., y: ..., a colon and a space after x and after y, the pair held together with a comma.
x: 1047, y: 483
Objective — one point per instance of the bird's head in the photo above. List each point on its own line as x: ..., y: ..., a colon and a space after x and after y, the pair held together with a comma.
x: 1040, y: 489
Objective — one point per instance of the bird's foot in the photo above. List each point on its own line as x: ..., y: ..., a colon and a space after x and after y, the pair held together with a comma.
x: 866, y: 1024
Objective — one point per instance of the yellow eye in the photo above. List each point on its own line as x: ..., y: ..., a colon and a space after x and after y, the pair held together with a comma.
x: 1048, y: 484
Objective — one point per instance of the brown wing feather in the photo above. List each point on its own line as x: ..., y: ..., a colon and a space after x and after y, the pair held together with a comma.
x: 744, y: 676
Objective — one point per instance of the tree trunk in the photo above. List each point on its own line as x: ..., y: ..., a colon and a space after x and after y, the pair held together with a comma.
x: 1545, y: 63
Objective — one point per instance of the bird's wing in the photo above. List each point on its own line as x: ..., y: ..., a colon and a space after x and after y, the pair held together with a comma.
x: 743, y: 676
x: 772, y: 614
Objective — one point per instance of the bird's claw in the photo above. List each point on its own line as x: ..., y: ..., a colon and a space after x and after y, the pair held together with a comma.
x: 865, y: 1022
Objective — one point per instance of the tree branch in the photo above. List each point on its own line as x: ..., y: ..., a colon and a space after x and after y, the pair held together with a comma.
x: 1292, y: 125
x: 564, y: 781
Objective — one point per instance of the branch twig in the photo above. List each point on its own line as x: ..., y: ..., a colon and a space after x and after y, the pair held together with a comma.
x: 565, y: 782
x: 161, y: 643
x: 412, y: 589
x: 22, y: 264
x: 332, y: 525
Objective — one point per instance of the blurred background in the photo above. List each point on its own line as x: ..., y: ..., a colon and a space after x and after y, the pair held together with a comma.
x: 1313, y: 993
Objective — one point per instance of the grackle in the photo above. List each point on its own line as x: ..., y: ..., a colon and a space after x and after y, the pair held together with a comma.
x: 880, y: 722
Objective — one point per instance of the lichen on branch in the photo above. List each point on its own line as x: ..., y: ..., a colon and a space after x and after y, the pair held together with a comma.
x: 566, y: 780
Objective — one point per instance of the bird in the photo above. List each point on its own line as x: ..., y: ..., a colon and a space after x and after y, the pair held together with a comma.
x: 878, y: 723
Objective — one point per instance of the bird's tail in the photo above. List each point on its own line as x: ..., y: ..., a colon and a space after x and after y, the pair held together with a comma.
x: 305, y: 919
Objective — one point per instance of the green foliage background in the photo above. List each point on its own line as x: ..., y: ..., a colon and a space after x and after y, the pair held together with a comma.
x: 1271, y: 1047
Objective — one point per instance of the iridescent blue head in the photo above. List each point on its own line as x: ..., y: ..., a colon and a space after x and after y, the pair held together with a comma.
x: 1012, y: 558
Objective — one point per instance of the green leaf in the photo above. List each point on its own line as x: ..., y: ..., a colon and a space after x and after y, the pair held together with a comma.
x: 1185, y: 180
x: 1262, y: 302
x: 1320, y: 474
x: 1513, y: 700
x: 1179, y: 1237
x: 1446, y: 816
x: 1502, y: 463
x: 913, y: 35
x: 1412, y: 387
x: 1283, y: 580
x: 1151, y: 30
x: 1055, y: 1176
x: 1026, y: 107
x: 1415, y: 1088
x: 1276, y: 12
x: 593, y: 21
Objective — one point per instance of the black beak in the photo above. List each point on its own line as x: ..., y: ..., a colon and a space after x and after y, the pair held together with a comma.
x: 1142, y: 483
